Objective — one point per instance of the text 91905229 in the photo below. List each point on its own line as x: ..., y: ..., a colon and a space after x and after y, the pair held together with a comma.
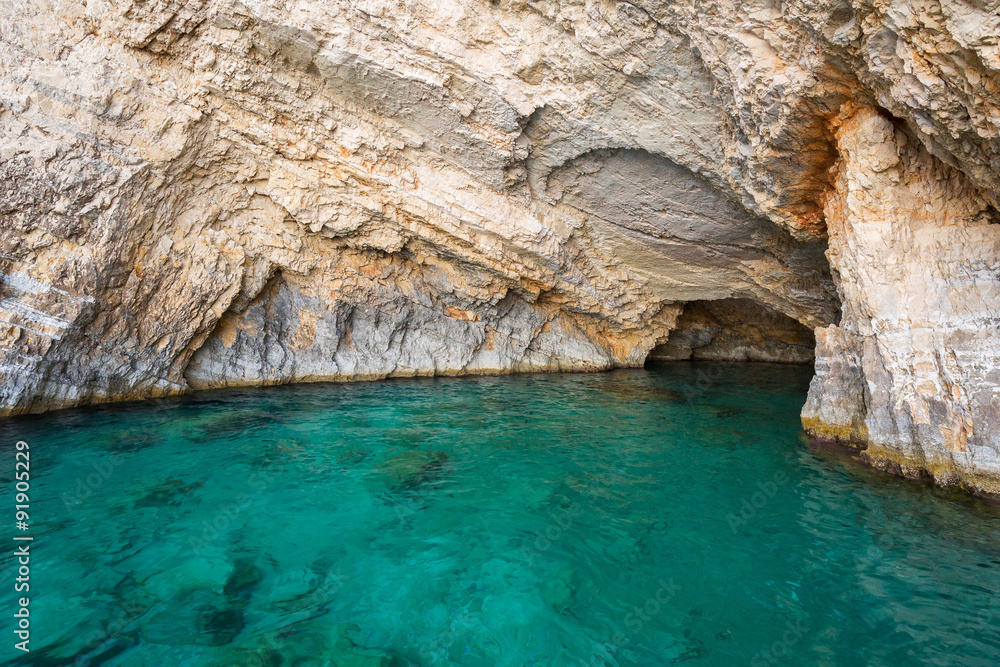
x: 22, y: 583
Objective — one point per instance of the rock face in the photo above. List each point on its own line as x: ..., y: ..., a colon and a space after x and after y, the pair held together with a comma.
x: 219, y: 193
x: 913, y: 369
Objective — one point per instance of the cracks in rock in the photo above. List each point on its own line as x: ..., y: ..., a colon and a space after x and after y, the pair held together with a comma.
x: 226, y: 329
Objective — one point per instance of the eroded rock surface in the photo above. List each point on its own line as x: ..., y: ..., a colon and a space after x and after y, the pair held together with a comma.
x: 913, y: 369
x: 219, y: 193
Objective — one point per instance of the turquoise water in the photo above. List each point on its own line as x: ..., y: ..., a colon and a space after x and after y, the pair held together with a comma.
x: 644, y: 517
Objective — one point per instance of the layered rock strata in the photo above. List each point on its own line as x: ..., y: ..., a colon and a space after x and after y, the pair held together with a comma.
x: 219, y: 193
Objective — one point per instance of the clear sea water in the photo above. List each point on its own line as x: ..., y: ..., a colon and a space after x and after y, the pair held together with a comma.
x: 642, y: 517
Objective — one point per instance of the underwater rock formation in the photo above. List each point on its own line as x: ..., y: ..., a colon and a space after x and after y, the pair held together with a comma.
x: 223, y: 192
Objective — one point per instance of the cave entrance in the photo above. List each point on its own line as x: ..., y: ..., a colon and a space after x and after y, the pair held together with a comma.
x: 735, y: 330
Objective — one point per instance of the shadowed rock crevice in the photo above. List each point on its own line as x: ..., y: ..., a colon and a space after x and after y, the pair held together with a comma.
x: 735, y: 330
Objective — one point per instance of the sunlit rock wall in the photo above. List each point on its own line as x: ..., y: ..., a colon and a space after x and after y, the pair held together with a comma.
x: 913, y: 369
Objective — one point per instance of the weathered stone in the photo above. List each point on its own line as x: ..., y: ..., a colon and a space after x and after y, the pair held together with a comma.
x: 912, y: 372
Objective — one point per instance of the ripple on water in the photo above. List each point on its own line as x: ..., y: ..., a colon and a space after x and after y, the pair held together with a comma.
x: 641, y: 517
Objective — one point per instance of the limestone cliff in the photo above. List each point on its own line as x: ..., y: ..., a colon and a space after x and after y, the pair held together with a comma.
x: 913, y: 369
x: 222, y: 193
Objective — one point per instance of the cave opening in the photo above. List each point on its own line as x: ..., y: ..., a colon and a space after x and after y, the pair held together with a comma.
x: 735, y: 330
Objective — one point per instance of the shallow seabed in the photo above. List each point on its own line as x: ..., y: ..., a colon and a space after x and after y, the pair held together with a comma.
x: 640, y: 517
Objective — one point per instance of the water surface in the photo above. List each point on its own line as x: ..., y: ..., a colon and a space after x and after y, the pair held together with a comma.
x: 645, y: 517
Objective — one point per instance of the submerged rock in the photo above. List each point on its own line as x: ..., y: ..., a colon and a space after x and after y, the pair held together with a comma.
x: 243, y: 579
x: 228, y: 423
x: 724, y: 411
x: 167, y: 492
x: 558, y: 590
x: 130, y: 441
x: 353, y: 456
x: 317, y: 644
x: 409, y: 469
x: 270, y: 192
x: 196, y: 617
x: 638, y: 392
x: 185, y: 572
x: 201, y: 600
